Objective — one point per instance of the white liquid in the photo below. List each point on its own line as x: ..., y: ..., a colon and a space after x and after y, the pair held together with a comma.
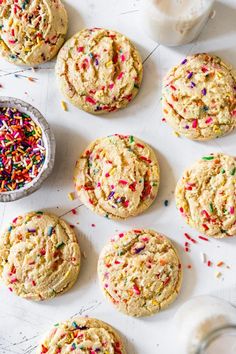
x: 175, y: 22
x: 223, y: 345
x: 198, y: 317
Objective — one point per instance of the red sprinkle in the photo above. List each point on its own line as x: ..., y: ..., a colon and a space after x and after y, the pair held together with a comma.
x: 190, y: 238
x: 90, y: 100
x: 203, y: 238
x: 209, y: 263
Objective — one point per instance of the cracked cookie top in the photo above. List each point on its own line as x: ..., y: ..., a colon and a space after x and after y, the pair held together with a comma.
x: 99, y: 70
x: 39, y: 256
x: 82, y: 335
x: 32, y: 31
x: 206, y: 195
x: 140, y: 272
x: 117, y: 176
x: 199, y: 97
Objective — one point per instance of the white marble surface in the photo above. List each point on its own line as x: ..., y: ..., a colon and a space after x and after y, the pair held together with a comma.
x: 22, y: 322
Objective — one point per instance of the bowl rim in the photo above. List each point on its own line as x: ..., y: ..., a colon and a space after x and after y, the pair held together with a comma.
x: 49, y: 143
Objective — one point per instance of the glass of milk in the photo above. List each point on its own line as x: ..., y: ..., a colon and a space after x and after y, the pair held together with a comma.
x: 206, y: 325
x: 175, y: 22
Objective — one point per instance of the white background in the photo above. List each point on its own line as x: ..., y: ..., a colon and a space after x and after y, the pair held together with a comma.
x: 22, y: 322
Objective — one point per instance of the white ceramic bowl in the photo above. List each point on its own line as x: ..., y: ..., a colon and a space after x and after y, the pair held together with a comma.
x: 49, y: 143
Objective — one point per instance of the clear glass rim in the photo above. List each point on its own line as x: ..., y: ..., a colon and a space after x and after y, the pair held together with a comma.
x: 212, y: 336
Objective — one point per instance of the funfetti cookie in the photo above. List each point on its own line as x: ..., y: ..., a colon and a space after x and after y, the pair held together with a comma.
x: 117, y: 176
x: 99, y: 70
x: 205, y: 195
x: 82, y: 335
x: 39, y: 256
x: 140, y: 272
x: 199, y: 97
x: 31, y: 32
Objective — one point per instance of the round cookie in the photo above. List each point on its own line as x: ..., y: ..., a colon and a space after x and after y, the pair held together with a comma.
x: 82, y: 335
x: 39, y: 256
x: 31, y: 32
x: 117, y: 176
x: 99, y: 70
x: 199, y: 97
x: 205, y: 195
x: 140, y: 272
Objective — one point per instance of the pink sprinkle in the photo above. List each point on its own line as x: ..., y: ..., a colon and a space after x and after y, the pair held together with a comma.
x: 195, y: 123
x: 93, y: 225
x: 111, y: 86
x: 99, y: 185
x: 121, y: 181
x: 181, y: 210
x: 122, y: 57
x: 136, y: 289
x: 234, y: 112
x: 14, y: 280
x: 209, y: 120
x: 80, y: 49
x: 10, y: 289
x: 120, y: 75
x: 106, y: 285
x: 90, y: 100
x: 121, y: 235
x: 107, y: 174
x: 73, y: 211
x: 231, y: 210
x: 117, y: 262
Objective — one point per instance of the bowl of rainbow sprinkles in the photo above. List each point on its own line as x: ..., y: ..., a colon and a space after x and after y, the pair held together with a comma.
x: 27, y: 149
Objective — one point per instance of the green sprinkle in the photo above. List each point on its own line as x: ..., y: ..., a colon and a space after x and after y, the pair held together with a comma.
x: 222, y: 171
x: 39, y: 212
x: 74, y: 324
x: 211, y: 208
x: 154, y: 184
x: 56, y: 325
x: 233, y: 171
x: 131, y: 139
x: 59, y: 245
x: 207, y: 158
x: 50, y: 230
x: 136, y: 86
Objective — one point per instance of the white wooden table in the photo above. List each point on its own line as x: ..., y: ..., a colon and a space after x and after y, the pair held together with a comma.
x: 22, y: 322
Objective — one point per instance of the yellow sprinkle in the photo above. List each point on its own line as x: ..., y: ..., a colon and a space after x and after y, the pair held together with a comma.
x: 219, y: 74
x: 108, y: 64
x: 112, y: 171
x: 176, y: 134
x: 64, y: 106
x: 71, y: 196
x: 10, y: 22
x: 27, y: 50
x: 218, y: 274
x: 216, y: 129
x: 154, y: 302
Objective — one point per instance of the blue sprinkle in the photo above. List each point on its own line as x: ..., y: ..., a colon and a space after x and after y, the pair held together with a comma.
x: 50, y: 230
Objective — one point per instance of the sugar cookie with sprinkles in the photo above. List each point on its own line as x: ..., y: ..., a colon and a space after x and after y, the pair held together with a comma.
x: 99, y: 70
x: 39, y: 256
x: 199, y: 97
x: 140, y: 272
x: 31, y: 31
x: 205, y: 195
x: 82, y: 335
x: 117, y: 176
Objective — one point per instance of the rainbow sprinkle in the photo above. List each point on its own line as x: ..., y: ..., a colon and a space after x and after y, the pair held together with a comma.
x: 22, y: 152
